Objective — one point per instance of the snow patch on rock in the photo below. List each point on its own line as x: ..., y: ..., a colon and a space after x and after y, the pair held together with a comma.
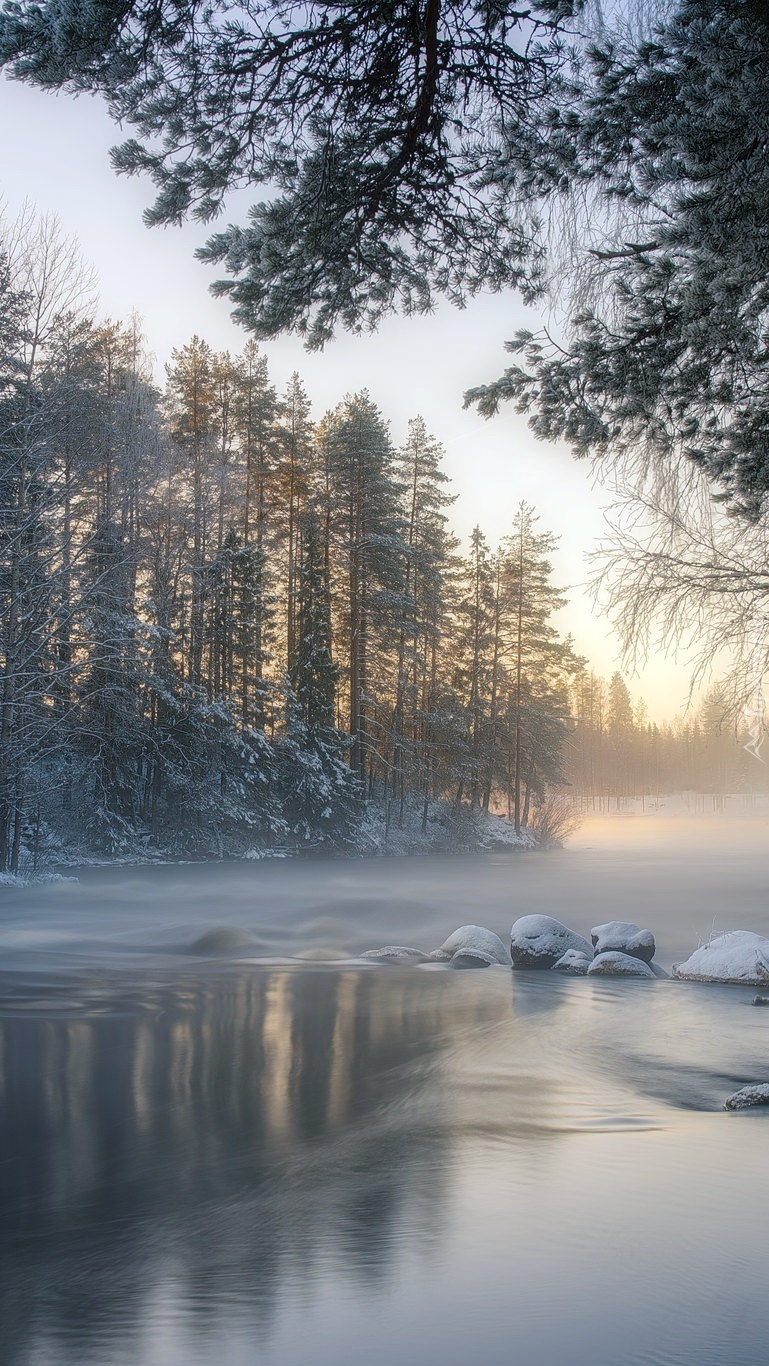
x: 573, y: 963
x: 538, y: 941
x: 619, y: 965
x: 748, y: 1097
x: 476, y: 939
x: 472, y: 958
x: 621, y: 936
x: 396, y: 954
x: 738, y: 956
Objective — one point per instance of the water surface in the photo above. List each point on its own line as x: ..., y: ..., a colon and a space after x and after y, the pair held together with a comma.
x: 252, y: 1159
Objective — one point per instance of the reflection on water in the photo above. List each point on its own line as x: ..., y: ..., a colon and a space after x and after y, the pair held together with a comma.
x: 232, y: 1123
x: 206, y: 1165
x: 213, y: 1162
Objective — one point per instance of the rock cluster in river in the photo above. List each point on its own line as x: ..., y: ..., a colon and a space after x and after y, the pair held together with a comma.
x: 471, y: 946
x: 617, y: 949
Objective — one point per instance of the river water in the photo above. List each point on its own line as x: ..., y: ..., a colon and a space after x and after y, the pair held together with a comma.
x: 238, y: 1160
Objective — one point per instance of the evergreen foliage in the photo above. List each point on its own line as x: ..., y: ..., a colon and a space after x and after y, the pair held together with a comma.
x: 665, y: 356
x: 226, y: 629
x: 374, y: 124
x: 404, y: 151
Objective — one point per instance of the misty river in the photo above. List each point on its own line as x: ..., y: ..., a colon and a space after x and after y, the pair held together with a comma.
x: 261, y: 1159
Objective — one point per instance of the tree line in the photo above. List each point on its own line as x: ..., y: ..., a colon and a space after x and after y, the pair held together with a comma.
x: 226, y: 626
x: 615, y: 755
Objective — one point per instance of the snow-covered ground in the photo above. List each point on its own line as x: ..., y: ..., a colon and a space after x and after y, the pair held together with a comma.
x: 447, y: 831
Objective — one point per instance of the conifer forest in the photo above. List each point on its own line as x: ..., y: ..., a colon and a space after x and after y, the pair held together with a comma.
x: 228, y: 628
x: 232, y: 623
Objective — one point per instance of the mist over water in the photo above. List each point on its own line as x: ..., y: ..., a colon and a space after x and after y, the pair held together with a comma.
x: 235, y: 1158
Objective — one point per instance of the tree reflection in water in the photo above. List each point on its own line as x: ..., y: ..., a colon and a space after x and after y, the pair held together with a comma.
x: 224, y: 1132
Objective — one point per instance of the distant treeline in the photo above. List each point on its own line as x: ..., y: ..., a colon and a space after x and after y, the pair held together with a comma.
x: 614, y: 753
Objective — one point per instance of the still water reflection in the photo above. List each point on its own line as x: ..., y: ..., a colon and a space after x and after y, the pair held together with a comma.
x: 234, y: 1162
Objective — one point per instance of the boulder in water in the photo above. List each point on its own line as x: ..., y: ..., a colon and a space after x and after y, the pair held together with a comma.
x: 472, y: 958
x: 619, y: 965
x: 538, y: 941
x: 738, y: 956
x: 395, y: 954
x: 224, y: 939
x: 573, y: 963
x: 475, y: 938
x: 621, y: 936
x: 748, y: 1097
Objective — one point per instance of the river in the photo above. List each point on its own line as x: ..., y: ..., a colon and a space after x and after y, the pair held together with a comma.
x: 257, y: 1159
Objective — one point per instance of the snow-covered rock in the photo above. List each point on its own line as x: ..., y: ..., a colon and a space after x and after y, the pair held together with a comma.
x: 396, y: 954
x: 472, y: 958
x: 621, y: 936
x: 738, y: 956
x: 573, y: 963
x: 475, y: 938
x: 619, y: 965
x: 749, y: 1096
x: 538, y: 941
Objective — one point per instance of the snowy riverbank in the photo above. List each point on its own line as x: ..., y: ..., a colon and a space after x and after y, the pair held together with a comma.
x: 446, y: 831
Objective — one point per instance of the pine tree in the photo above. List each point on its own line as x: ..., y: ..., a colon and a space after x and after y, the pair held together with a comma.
x: 417, y: 467
x: 397, y: 187
x: 191, y: 401
x: 366, y: 524
x: 475, y: 634
x: 23, y: 588
x: 109, y: 722
x: 225, y: 388
x: 314, y: 675
x: 622, y: 734
x: 665, y: 362
x: 322, y: 794
x: 255, y: 417
x: 295, y: 472
x: 540, y: 664
x: 240, y: 621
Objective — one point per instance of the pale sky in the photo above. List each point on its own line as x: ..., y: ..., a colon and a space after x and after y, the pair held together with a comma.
x: 54, y: 153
